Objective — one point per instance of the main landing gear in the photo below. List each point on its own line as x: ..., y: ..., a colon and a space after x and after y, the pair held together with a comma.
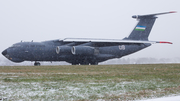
x: 37, y: 63
x: 84, y: 63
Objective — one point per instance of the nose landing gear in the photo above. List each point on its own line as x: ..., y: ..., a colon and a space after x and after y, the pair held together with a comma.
x: 37, y: 63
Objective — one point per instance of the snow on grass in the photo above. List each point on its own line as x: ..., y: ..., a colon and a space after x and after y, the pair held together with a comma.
x: 124, y: 82
x: 59, y: 90
x: 34, y: 73
x: 70, y: 90
x: 170, y: 98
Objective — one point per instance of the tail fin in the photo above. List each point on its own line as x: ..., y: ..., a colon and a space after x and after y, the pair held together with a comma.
x: 144, y: 26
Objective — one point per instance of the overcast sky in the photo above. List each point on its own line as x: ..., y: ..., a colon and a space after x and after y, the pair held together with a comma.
x: 41, y: 20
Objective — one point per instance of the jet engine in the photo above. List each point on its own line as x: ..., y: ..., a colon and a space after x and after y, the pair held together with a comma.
x: 82, y: 50
x: 63, y: 50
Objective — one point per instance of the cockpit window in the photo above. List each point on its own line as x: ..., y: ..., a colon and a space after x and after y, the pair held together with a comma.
x: 34, y: 46
x: 16, y: 45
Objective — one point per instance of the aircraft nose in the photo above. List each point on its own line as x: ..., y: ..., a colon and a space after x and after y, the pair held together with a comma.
x: 4, y: 52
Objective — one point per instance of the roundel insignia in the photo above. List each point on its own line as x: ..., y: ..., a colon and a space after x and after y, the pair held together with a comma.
x: 122, y: 47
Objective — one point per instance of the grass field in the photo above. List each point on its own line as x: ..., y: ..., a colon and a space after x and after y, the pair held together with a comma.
x: 102, y: 82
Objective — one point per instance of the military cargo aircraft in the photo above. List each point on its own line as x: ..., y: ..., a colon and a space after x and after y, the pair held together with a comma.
x: 86, y: 51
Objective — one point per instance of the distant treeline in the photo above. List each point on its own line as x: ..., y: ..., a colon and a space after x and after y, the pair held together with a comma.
x: 143, y: 60
x: 5, y: 62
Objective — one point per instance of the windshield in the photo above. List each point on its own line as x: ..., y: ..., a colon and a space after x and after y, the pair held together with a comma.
x: 16, y: 45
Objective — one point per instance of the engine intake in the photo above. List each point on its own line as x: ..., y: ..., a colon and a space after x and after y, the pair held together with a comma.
x: 63, y: 50
x: 82, y: 50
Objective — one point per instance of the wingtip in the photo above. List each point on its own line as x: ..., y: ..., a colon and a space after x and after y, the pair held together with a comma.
x: 165, y: 42
x: 170, y: 42
x: 173, y: 12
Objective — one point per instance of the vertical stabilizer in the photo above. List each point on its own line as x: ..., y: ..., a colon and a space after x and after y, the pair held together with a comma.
x: 144, y: 26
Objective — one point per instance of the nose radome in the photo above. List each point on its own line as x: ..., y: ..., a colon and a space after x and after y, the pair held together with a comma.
x: 4, y: 52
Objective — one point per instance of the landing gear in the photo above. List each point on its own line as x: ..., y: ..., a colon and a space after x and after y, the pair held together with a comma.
x: 37, y: 64
x: 73, y: 63
x: 85, y: 63
x: 94, y: 63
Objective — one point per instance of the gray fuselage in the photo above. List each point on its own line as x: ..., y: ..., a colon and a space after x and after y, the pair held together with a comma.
x: 47, y: 51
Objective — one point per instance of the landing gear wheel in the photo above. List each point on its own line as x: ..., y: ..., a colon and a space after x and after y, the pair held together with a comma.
x: 85, y: 63
x: 75, y: 63
x: 37, y: 64
x: 94, y: 63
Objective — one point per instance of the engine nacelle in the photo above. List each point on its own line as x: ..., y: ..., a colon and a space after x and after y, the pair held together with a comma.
x: 82, y: 50
x: 63, y: 50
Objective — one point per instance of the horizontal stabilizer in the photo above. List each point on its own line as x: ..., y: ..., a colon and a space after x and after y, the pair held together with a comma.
x: 151, y: 15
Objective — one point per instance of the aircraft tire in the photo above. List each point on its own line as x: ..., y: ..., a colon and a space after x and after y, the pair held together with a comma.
x: 37, y: 64
x: 75, y: 64
x: 94, y: 63
x: 84, y: 63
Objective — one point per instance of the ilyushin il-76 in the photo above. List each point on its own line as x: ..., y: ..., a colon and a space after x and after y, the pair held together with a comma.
x: 86, y: 51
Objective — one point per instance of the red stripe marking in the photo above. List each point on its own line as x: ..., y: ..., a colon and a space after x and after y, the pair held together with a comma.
x: 165, y: 42
x: 173, y: 12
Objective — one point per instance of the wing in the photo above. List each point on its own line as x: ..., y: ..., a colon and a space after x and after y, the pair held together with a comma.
x: 106, y: 42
